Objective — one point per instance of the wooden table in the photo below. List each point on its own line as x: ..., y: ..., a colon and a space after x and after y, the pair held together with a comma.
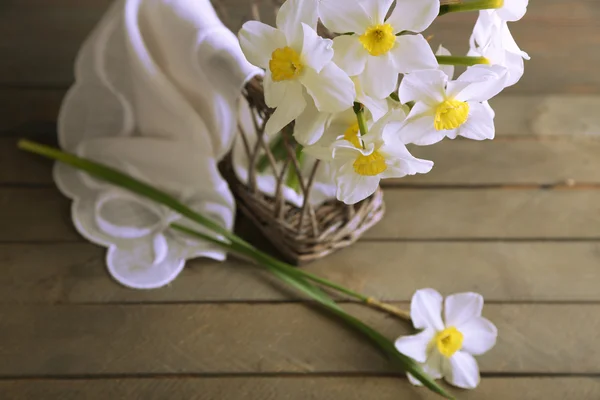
x: 516, y: 219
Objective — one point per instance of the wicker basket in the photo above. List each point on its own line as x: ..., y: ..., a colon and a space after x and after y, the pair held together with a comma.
x: 301, y: 233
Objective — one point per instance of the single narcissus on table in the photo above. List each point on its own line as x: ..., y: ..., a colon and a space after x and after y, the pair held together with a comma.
x: 446, y: 108
x: 297, y: 62
x: 375, y: 48
x: 446, y: 346
x: 492, y: 39
x: 360, y: 162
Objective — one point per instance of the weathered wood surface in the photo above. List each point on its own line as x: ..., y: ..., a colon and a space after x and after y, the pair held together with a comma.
x: 290, y: 388
x: 457, y: 163
x: 72, y: 273
x: 558, y: 35
x: 42, y: 214
x: 26, y: 112
x: 246, y: 338
x: 516, y: 219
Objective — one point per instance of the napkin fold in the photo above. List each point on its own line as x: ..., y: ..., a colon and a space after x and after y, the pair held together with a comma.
x: 155, y: 95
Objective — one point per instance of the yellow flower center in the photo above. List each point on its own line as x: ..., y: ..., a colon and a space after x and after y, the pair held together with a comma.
x: 285, y: 64
x: 378, y: 39
x: 351, y: 135
x: 449, y: 341
x: 451, y: 114
x: 371, y: 165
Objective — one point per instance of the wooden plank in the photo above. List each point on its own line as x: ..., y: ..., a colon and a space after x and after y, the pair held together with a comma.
x: 241, y: 338
x: 459, y: 162
x: 568, y: 32
x: 523, y: 271
x: 26, y: 112
x: 42, y: 214
x: 290, y: 388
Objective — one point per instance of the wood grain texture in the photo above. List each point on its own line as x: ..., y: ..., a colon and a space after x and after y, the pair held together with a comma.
x: 558, y: 35
x: 243, y: 338
x: 458, y: 162
x: 291, y: 388
x: 42, y: 214
x: 501, y: 272
x: 33, y: 112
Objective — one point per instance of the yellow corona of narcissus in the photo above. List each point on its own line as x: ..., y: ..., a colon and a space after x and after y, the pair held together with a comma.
x: 360, y: 162
x: 446, y: 346
x: 445, y: 108
x: 300, y: 76
x: 376, y: 48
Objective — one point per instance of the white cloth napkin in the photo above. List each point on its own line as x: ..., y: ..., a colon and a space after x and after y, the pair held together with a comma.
x: 155, y: 95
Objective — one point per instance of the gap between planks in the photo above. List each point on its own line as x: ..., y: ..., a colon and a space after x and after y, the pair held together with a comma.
x: 517, y: 272
x: 289, y: 338
x: 292, y: 388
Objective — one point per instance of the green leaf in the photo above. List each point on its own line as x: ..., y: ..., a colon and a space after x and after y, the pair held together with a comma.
x: 238, y: 245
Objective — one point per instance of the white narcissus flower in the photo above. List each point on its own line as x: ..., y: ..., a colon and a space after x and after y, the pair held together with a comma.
x: 360, y: 162
x: 370, y: 46
x: 310, y: 126
x: 297, y: 61
x: 492, y: 39
x: 446, y: 347
x: 450, y: 108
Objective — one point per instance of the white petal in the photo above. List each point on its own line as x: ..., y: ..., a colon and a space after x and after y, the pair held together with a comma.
x: 290, y: 17
x: 513, y: 10
x: 350, y: 55
x: 259, y: 41
x: 516, y: 67
x: 461, y: 307
x: 380, y: 77
x: 419, y: 127
x: 288, y: 110
x: 377, y: 9
x: 274, y: 91
x: 447, y: 69
x: 426, y: 309
x: 316, y: 51
x: 426, y: 86
x: 461, y: 370
x: 415, y: 346
x: 310, y: 125
x: 402, y: 163
x: 433, y: 368
x: 351, y: 187
x: 412, y: 53
x: 480, y: 123
x: 344, y: 16
x: 414, y: 15
x: 485, y: 82
x: 331, y: 89
x: 479, y: 335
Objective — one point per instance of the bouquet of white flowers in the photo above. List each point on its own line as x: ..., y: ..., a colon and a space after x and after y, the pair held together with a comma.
x: 328, y: 120
x: 329, y: 105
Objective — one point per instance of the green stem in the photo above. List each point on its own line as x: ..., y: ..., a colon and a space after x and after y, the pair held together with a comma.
x: 459, y: 60
x: 469, y: 5
x: 293, y: 180
x: 235, y: 244
x: 359, y: 110
x: 384, y: 344
x: 278, y: 151
x: 125, y: 181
